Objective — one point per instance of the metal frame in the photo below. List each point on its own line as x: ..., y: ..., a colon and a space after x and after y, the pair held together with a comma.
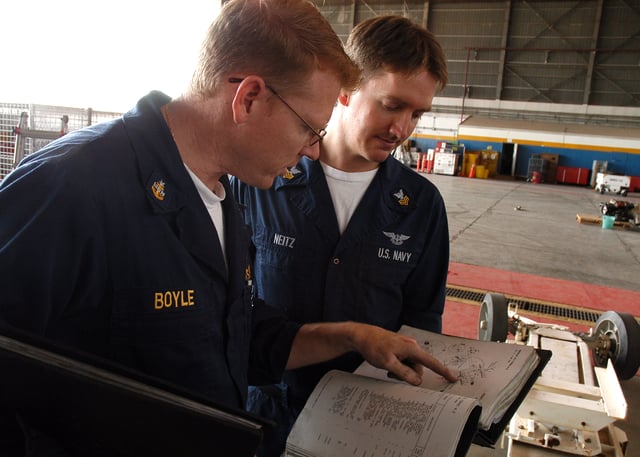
x: 26, y: 128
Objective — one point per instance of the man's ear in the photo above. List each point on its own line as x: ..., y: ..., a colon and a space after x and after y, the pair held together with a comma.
x: 249, y: 90
x: 343, y: 97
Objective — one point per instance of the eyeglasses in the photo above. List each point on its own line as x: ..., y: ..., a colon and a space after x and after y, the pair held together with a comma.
x: 317, y: 134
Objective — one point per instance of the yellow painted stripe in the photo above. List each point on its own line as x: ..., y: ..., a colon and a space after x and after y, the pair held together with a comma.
x: 435, y: 137
x: 488, y: 139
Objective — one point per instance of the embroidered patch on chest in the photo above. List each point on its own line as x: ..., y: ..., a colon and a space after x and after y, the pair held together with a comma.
x: 401, y: 197
x: 397, y: 239
x: 158, y: 189
x: 291, y: 173
x: 284, y: 240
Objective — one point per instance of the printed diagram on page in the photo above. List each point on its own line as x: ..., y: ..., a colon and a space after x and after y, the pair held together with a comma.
x: 463, y: 359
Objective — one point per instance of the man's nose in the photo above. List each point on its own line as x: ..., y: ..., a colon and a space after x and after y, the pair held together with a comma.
x: 402, y: 126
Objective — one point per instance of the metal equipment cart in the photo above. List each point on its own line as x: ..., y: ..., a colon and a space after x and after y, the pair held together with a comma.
x: 573, y: 405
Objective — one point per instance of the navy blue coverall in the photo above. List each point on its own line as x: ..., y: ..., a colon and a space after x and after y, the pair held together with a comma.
x: 106, y: 246
x: 388, y: 268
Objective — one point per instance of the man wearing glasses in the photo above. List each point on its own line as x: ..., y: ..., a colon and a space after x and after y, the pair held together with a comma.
x: 314, y: 135
x: 355, y: 236
x: 120, y: 239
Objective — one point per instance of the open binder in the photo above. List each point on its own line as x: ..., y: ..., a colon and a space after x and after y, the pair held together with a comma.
x: 368, y: 413
x: 92, y: 406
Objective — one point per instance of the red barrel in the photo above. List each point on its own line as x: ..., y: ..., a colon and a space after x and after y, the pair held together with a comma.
x: 536, y: 178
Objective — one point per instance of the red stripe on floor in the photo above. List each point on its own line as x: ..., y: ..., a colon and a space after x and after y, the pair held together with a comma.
x: 572, y: 293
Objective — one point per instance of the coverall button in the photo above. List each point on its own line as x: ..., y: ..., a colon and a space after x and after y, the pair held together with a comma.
x: 336, y: 260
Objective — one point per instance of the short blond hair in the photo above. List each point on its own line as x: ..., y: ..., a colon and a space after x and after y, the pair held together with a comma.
x: 283, y: 41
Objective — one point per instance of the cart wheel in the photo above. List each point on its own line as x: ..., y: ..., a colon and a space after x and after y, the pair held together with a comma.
x: 494, y: 318
x: 623, y: 333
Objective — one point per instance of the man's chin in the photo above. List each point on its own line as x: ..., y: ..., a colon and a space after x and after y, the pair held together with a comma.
x: 260, y: 181
x: 380, y: 155
x: 385, y: 147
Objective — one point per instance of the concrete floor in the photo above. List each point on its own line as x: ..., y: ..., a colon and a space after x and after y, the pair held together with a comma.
x: 543, y: 237
x: 514, y: 237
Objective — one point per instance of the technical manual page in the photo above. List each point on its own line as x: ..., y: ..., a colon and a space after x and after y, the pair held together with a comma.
x: 349, y: 414
x: 366, y: 413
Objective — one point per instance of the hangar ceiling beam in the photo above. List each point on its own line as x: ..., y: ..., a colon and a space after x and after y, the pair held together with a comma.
x: 551, y: 25
x: 503, y: 53
x: 375, y: 13
x: 631, y: 6
x: 353, y: 14
x: 565, y: 52
x: 528, y: 84
x: 633, y: 97
x: 425, y: 15
x: 592, y: 55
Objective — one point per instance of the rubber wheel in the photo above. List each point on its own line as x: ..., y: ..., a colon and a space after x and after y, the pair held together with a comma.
x: 494, y: 318
x: 623, y: 333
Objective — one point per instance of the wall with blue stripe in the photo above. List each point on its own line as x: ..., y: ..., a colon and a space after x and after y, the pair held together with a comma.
x: 617, y: 162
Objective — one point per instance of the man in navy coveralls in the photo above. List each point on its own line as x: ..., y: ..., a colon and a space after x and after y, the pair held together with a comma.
x: 355, y: 235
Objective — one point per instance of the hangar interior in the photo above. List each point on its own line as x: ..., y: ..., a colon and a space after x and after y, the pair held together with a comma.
x: 552, y: 65
x: 581, y: 57
x: 526, y: 78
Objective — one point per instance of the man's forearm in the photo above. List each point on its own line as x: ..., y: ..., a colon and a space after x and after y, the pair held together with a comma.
x: 399, y: 354
x: 315, y: 343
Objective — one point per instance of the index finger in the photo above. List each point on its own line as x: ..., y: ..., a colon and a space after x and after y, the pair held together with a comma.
x: 434, y: 365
